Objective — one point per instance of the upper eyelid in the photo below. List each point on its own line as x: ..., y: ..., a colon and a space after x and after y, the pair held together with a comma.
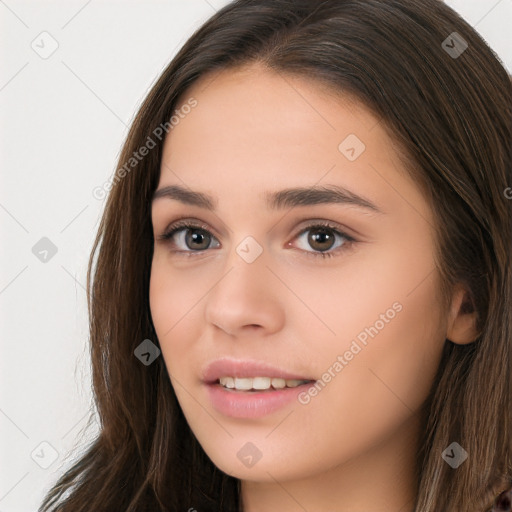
x: 305, y: 221
x: 183, y: 224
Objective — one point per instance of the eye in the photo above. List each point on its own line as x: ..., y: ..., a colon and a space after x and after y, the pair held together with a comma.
x: 322, y: 238
x: 188, y: 237
x: 191, y: 238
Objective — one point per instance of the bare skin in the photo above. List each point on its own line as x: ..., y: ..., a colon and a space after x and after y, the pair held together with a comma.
x: 352, y: 446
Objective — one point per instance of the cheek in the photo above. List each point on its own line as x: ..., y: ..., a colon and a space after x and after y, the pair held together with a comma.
x: 394, y: 359
x: 175, y: 303
x: 388, y: 311
x: 386, y: 324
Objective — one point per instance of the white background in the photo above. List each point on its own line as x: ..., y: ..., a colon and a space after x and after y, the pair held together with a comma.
x: 64, y: 120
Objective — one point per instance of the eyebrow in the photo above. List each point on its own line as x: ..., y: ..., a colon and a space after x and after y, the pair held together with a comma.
x: 287, y: 198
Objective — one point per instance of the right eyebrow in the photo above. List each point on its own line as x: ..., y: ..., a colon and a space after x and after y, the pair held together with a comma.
x: 185, y: 196
x: 287, y: 198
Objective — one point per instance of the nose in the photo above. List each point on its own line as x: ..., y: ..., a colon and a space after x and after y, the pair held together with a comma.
x: 247, y: 297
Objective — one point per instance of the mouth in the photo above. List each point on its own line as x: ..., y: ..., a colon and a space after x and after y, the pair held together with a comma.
x: 249, y: 389
x: 251, y: 403
x: 258, y: 384
x: 248, y: 374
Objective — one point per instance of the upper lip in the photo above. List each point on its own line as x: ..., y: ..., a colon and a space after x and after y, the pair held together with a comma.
x: 245, y: 368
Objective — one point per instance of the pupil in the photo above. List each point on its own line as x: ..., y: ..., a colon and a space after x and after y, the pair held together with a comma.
x: 195, y: 237
x: 323, y: 235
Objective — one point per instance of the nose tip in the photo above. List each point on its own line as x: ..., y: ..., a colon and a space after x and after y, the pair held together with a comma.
x: 246, y: 298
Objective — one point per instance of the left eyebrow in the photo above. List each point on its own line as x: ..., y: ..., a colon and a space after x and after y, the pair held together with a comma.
x: 306, y: 196
x: 286, y: 198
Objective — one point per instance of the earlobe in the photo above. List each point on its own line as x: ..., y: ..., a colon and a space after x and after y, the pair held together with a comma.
x: 462, y: 321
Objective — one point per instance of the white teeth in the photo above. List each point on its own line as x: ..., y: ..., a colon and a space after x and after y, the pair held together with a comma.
x: 259, y: 383
x: 228, y: 382
x: 293, y: 383
x: 244, y: 384
x: 278, y: 383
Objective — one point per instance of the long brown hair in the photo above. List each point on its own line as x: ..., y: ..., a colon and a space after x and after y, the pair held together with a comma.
x: 450, y: 112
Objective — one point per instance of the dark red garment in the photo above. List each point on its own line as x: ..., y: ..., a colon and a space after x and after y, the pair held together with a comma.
x: 503, y: 502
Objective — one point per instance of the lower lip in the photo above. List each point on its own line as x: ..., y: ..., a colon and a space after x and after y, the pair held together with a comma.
x: 252, y: 404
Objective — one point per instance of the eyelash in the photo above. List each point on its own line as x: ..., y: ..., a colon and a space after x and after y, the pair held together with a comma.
x: 182, y: 224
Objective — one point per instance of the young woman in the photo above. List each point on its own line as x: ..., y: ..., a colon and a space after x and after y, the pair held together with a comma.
x: 302, y: 294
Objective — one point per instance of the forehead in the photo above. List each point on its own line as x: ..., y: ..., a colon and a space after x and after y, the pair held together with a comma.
x: 254, y: 129
x: 273, y: 103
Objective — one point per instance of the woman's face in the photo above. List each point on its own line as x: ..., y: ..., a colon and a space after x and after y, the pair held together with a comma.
x: 353, y: 306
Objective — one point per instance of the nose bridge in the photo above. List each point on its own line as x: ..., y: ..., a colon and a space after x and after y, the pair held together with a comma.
x: 245, y: 294
x: 246, y: 266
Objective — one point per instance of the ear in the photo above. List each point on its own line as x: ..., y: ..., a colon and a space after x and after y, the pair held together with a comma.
x: 462, y: 318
